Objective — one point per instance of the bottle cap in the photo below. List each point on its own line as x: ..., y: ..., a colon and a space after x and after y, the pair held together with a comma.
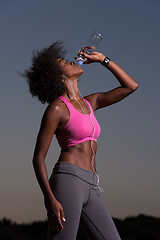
x: 79, y: 62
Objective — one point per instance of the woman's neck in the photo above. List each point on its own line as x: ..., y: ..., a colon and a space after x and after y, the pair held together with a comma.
x: 72, y: 90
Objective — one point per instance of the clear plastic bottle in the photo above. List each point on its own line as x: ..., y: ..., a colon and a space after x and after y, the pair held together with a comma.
x: 90, y: 46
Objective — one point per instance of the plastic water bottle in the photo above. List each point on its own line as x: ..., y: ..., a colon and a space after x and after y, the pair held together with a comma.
x: 90, y: 46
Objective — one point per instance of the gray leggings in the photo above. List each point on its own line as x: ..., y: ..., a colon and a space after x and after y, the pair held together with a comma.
x: 86, y: 215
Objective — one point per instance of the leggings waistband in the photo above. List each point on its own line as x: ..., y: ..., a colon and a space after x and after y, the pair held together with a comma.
x: 70, y: 168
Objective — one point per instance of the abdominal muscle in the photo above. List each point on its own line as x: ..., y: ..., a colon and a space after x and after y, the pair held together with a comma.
x: 80, y: 155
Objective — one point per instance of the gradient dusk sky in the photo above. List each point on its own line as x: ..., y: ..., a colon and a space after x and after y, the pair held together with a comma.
x: 128, y: 158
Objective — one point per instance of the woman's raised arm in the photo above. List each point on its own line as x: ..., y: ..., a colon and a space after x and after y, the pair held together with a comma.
x: 127, y: 84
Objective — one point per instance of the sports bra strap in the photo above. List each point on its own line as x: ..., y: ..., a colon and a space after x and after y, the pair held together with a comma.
x: 69, y: 105
x: 90, y: 107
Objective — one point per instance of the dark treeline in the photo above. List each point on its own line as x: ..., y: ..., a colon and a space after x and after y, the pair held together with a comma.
x: 131, y: 228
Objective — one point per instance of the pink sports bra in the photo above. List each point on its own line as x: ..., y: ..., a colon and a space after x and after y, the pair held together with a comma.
x: 79, y: 127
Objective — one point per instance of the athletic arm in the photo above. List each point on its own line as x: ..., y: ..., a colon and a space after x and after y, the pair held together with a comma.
x: 127, y: 84
x: 50, y: 121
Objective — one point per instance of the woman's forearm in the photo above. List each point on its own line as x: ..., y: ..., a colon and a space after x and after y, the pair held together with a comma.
x: 124, y: 78
x: 42, y: 176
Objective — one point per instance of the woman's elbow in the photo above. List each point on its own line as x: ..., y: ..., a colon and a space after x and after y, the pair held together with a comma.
x: 134, y: 87
x: 37, y: 160
x: 34, y: 162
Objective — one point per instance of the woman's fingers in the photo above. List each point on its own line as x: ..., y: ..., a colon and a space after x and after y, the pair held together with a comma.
x: 90, y: 57
x: 59, y: 222
x: 54, y: 220
x: 62, y: 215
x: 92, y: 48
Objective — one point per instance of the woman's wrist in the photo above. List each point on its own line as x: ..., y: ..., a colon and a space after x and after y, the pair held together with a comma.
x: 49, y: 197
x: 101, y: 58
x: 106, y: 61
x: 47, y: 193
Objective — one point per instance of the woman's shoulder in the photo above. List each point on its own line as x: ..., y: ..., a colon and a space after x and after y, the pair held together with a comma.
x: 54, y: 114
x: 55, y: 107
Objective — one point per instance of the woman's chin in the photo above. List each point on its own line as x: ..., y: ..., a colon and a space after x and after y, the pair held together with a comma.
x: 81, y: 72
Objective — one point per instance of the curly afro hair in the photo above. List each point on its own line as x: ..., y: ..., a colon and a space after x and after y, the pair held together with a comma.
x: 44, y: 76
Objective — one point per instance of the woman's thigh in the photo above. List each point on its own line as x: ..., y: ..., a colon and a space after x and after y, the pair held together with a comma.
x: 96, y: 221
x: 71, y: 192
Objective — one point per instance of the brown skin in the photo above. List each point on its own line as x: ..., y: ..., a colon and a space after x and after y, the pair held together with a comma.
x: 57, y: 115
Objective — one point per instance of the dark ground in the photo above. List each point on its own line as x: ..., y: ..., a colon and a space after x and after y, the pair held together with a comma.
x: 131, y: 228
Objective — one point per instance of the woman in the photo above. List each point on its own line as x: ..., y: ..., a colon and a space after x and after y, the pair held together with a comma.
x: 71, y: 195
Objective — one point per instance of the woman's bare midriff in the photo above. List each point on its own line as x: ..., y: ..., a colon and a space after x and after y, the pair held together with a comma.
x: 80, y: 155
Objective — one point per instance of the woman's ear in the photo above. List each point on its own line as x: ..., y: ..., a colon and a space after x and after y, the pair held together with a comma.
x: 63, y: 78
